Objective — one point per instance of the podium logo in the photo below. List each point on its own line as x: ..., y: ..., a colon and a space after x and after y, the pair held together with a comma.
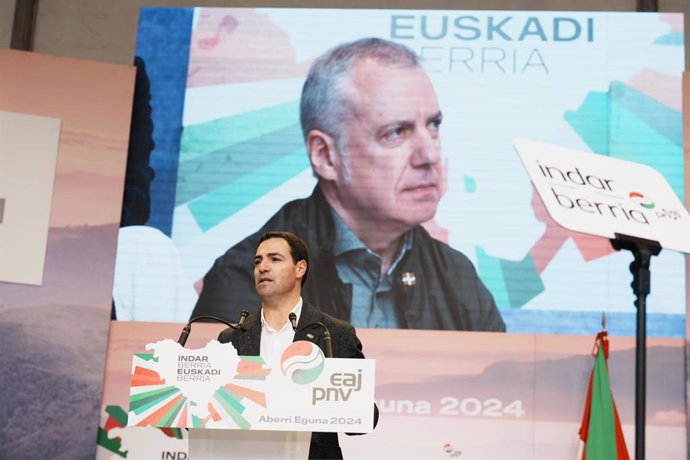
x: 451, y: 451
x: 303, y: 362
x: 342, y: 386
x: 640, y: 199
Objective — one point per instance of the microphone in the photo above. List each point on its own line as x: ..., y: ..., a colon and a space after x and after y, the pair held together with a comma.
x: 185, y: 334
x: 188, y: 327
x: 243, y: 317
x: 293, y: 320
x: 326, y: 333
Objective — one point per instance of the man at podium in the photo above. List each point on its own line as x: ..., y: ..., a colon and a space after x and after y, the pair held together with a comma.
x: 281, y: 265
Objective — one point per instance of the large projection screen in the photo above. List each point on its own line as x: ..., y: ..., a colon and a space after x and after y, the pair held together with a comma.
x: 229, y: 151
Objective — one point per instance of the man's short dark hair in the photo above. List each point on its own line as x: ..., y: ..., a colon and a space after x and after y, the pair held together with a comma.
x: 324, y: 105
x: 298, y: 248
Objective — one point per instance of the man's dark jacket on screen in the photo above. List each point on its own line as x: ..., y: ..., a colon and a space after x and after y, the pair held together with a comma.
x: 441, y: 289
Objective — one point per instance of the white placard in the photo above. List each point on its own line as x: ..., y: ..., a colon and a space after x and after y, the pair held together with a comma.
x: 600, y: 195
x: 28, y: 156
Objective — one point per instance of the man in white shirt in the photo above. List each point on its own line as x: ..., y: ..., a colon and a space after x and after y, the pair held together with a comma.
x: 281, y: 265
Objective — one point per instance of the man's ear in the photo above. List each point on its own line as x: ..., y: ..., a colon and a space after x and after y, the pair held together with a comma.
x: 301, y: 268
x: 323, y: 154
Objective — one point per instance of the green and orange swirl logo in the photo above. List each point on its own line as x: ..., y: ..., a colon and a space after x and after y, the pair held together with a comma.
x: 640, y: 199
x: 302, y: 361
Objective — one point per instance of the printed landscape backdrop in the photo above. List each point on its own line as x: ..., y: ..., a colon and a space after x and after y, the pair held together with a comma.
x: 54, y: 326
x: 485, y: 395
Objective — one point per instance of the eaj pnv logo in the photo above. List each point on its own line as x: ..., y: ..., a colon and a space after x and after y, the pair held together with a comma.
x: 303, y: 362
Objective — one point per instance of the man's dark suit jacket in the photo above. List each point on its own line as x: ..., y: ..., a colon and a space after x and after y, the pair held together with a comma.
x: 247, y: 341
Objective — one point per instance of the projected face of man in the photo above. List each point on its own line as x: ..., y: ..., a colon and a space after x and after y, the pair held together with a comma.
x: 387, y: 173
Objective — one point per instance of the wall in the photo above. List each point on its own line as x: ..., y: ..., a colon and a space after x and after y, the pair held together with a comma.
x: 106, y: 31
x: 6, y: 18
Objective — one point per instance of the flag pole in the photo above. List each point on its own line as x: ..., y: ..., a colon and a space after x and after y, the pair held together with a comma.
x: 642, y: 250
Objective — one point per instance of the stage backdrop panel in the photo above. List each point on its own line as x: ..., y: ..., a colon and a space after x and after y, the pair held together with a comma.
x: 229, y: 152
x: 53, y: 336
x: 446, y: 394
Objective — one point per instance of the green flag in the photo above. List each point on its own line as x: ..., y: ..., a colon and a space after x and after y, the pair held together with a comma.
x: 601, y: 433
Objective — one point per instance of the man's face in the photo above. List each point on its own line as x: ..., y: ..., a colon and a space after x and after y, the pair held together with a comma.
x: 275, y: 273
x: 391, y: 172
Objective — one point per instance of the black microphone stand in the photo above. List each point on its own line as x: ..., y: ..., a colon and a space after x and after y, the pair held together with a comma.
x: 642, y: 250
x: 188, y: 327
x: 327, y: 339
x: 326, y: 333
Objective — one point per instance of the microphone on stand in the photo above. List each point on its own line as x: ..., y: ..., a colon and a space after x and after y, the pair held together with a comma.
x: 243, y: 317
x: 185, y: 334
x: 327, y: 339
x: 293, y: 320
x: 188, y: 327
x: 326, y: 333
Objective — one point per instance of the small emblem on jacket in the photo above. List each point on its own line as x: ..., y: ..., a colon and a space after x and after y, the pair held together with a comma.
x: 408, y: 279
x: 310, y: 336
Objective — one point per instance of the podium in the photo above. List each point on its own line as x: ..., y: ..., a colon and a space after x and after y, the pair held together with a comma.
x: 244, y: 407
x: 214, y: 444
